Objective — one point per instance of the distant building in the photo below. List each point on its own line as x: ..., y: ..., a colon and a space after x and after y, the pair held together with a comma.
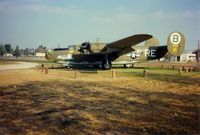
x: 197, y: 53
x: 22, y: 52
x: 8, y: 55
x: 40, y: 54
x: 185, y: 57
x: 169, y: 58
x: 27, y: 52
x: 40, y: 51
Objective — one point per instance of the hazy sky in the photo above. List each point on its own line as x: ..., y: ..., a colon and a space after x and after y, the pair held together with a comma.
x: 29, y: 23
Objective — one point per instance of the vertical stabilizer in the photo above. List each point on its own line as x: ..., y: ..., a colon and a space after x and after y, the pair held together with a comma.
x: 176, y: 43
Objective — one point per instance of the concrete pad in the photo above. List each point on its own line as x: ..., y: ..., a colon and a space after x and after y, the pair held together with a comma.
x: 18, y: 65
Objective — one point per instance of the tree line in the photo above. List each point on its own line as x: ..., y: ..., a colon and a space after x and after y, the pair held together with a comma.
x: 7, y: 48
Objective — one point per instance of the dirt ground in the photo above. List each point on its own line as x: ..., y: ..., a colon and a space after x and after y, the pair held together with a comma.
x: 95, y: 103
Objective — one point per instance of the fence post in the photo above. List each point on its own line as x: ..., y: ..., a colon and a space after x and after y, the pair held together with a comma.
x: 190, y: 69
x: 75, y: 74
x: 183, y: 69
x: 161, y: 66
x: 180, y: 71
x: 46, y: 70
x: 113, y: 74
x: 42, y: 70
x: 195, y: 69
x: 186, y: 70
x: 145, y: 73
x: 36, y: 68
x: 173, y: 67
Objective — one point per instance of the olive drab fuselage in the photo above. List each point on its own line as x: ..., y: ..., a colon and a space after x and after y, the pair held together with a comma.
x: 121, y: 52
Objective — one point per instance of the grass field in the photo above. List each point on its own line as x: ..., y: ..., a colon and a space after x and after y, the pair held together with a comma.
x: 161, y: 103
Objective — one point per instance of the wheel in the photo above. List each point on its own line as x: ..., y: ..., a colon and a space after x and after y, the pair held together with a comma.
x: 67, y: 67
x: 127, y: 65
x: 106, y: 65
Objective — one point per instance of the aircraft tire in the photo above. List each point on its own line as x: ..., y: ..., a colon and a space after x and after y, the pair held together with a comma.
x: 67, y: 67
x: 127, y: 65
x: 106, y: 65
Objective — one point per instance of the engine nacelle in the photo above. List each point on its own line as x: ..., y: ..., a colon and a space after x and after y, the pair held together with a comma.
x: 91, y: 48
x: 152, y: 42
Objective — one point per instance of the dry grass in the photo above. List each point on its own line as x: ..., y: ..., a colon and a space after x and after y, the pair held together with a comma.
x: 6, y: 62
x: 94, y: 103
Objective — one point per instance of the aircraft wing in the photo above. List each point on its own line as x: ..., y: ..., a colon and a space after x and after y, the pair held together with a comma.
x: 123, y: 46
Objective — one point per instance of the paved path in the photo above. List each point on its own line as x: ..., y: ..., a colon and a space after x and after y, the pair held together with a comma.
x: 18, y: 65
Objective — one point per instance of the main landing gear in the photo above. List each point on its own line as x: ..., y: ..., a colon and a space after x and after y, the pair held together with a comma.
x: 106, y: 65
x: 127, y: 65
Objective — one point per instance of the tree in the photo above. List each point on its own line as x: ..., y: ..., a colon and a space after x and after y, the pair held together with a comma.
x: 8, y: 48
x: 41, y: 48
x: 2, y: 50
x: 16, y: 51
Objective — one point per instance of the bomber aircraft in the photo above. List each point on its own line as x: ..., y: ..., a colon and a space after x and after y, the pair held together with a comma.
x: 125, y: 51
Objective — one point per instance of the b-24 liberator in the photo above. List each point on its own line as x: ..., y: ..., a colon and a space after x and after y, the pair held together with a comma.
x: 125, y: 51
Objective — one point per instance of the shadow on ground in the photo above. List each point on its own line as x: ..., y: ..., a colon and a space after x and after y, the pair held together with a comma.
x: 73, y: 107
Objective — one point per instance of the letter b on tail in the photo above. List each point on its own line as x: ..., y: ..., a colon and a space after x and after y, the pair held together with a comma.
x: 176, y: 43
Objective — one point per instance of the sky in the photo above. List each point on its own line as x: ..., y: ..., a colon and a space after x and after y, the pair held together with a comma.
x: 53, y: 23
